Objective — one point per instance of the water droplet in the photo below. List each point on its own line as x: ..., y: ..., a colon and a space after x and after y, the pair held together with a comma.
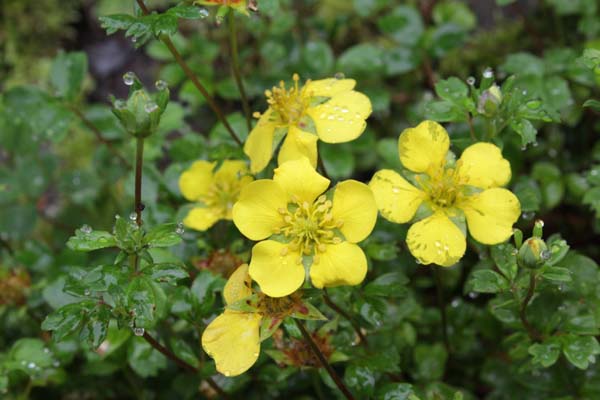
x: 137, y: 331
x: 161, y: 85
x: 528, y: 215
x: 120, y: 104
x: 56, y: 364
x: 86, y: 292
x: 524, y: 92
x: 203, y: 12
x: 117, y: 216
x: 129, y: 78
x: 339, y: 75
x: 539, y: 223
x: 226, y: 373
x: 46, y: 350
x: 473, y: 295
x: 134, y: 39
x: 395, y: 189
x: 150, y: 107
x: 471, y: 80
x: 133, y: 216
x: 545, y: 255
x: 180, y: 230
x: 488, y: 73
x: 31, y: 365
x: 86, y: 229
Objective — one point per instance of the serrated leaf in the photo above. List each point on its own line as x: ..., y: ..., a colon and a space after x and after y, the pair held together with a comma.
x: 164, y: 235
x: 166, y: 272
x: 488, y: 281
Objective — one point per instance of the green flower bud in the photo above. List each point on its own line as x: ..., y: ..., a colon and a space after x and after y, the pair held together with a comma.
x: 533, y: 253
x: 489, y: 101
x: 140, y: 114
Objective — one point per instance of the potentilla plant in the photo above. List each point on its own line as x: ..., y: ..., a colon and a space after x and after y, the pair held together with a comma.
x: 272, y: 275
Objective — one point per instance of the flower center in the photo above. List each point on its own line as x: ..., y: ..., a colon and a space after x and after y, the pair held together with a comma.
x: 288, y: 104
x: 310, y: 227
x: 442, y: 186
x: 279, y: 307
x: 222, y: 195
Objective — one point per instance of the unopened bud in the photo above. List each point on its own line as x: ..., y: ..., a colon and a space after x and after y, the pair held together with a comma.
x: 533, y: 253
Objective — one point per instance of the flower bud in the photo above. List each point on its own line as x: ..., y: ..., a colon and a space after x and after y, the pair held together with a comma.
x: 489, y: 101
x: 140, y: 114
x: 533, y: 253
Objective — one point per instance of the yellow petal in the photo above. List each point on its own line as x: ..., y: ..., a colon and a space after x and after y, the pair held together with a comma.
x: 238, y: 286
x: 298, y: 144
x: 300, y: 179
x: 397, y: 200
x: 436, y: 240
x: 342, y: 118
x: 202, y: 218
x: 277, y: 270
x: 256, y: 212
x: 423, y: 146
x: 491, y: 214
x: 329, y: 87
x: 340, y: 264
x: 232, y: 340
x: 259, y: 145
x: 482, y: 165
x: 354, y: 205
x: 231, y: 171
x: 195, y: 181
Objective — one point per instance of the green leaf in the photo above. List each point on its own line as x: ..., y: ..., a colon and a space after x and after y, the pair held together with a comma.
x: 362, y: 59
x: 505, y: 257
x: 545, y: 354
x: 141, y: 301
x: 525, y: 129
x: 454, y: 12
x: 523, y: 64
x: 592, y: 199
x: 395, y: 391
x: 117, y: 22
x: 453, y: 90
x: 167, y: 272
x: 404, y: 24
x: 430, y: 361
x: 95, y: 329
x: 392, y: 284
x: 580, y: 350
x: 318, y: 56
x: 66, y: 319
x: 86, y: 239
x: 165, y: 235
x: 557, y: 274
x: 187, y: 11
x: 361, y: 379
x: 593, y: 104
x: 488, y: 281
x: 67, y: 74
x: 30, y: 354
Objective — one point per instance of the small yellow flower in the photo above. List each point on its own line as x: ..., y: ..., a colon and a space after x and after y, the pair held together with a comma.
x: 305, y: 228
x: 327, y: 109
x: 233, y: 338
x: 237, y: 5
x: 216, y: 192
x: 468, y: 188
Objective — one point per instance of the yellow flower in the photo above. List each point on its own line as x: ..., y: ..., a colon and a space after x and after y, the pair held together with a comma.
x: 305, y: 229
x: 326, y: 109
x: 237, y: 5
x: 468, y: 188
x: 216, y: 192
x: 233, y: 338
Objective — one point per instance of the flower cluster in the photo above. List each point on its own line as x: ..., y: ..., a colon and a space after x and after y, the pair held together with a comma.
x: 307, y: 233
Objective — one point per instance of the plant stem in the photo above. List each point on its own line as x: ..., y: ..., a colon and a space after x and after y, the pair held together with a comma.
x: 441, y: 305
x: 533, y: 333
x: 317, y: 352
x: 181, y: 363
x: 235, y: 65
x: 192, y: 77
x: 471, y: 129
x: 342, y: 312
x: 139, y: 161
x: 99, y: 136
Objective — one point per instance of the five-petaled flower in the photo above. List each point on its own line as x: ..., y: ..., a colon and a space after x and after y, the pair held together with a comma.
x: 238, y: 5
x: 233, y: 338
x: 215, y: 192
x: 305, y: 228
x: 450, y: 191
x: 326, y: 109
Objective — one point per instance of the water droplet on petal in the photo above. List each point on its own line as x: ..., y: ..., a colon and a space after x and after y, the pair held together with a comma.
x: 129, y: 78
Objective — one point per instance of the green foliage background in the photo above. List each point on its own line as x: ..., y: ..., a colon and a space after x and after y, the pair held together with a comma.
x: 65, y: 161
